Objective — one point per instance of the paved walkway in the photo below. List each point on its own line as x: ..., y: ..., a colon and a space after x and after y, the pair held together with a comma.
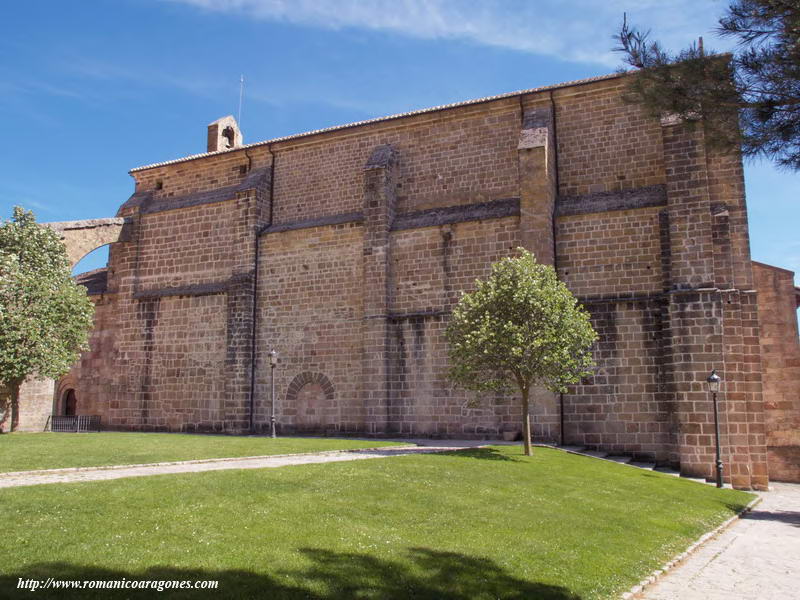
x: 23, y: 478
x: 757, y: 558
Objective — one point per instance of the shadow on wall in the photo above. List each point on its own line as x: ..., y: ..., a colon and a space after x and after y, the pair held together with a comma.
x: 5, y: 412
x: 426, y: 574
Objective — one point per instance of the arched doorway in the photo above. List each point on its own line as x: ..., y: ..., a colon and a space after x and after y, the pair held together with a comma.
x: 70, y: 403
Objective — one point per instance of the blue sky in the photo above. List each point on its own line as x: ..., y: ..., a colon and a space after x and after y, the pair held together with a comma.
x: 92, y: 88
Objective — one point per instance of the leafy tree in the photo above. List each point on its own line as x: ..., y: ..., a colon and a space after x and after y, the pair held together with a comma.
x: 521, y: 327
x: 45, y: 316
x: 750, y: 98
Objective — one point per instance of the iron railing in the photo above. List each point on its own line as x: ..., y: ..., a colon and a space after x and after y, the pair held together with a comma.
x: 74, y: 423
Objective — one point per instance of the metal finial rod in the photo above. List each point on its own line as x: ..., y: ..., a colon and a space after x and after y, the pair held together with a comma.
x: 241, y: 96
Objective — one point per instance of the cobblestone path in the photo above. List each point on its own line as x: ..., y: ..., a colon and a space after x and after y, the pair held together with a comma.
x: 757, y: 558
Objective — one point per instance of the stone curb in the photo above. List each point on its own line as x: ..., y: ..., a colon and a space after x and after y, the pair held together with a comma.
x: 10, y: 474
x: 636, y: 590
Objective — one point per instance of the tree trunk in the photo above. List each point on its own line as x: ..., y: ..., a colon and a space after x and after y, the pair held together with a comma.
x: 526, y: 422
x: 14, y: 406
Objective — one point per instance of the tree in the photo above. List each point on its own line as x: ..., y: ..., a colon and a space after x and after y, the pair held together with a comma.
x: 45, y: 316
x: 748, y: 99
x: 521, y: 327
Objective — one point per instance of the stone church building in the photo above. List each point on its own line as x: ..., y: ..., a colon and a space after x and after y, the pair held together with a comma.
x: 345, y: 249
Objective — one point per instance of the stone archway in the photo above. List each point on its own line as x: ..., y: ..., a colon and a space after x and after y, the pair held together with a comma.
x: 38, y: 398
x: 310, y: 398
x: 81, y: 237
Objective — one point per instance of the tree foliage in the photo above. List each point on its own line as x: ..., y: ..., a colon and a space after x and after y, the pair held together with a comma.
x: 520, y: 327
x: 45, y: 316
x: 748, y: 99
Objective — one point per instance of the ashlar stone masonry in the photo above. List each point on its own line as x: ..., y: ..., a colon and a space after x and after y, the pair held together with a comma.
x: 346, y: 249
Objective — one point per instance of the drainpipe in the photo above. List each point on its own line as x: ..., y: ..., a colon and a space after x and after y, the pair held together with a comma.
x: 555, y: 170
x: 555, y: 255
x: 254, y: 316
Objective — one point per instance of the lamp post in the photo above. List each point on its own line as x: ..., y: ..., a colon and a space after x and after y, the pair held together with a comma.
x: 273, y: 362
x: 713, y: 382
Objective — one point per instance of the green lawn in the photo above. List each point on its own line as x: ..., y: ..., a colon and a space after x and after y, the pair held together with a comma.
x: 479, y: 524
x: 28, y: 451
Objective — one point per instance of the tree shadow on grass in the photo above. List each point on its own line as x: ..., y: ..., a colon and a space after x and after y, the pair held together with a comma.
x: 736, y: 507
x: 423, y: 573
x: 481, y: 453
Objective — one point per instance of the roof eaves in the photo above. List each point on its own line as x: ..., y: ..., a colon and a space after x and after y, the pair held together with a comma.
x: 773, y: 267
x: 381, y: 119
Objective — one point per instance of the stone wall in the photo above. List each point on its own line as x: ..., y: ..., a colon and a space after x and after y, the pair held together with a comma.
x: 620, y: 409
x: 35, y: 405
x: 182, y: 294
x: 346, y: 250
x: 604, y: 144
x: 310, y: 310
x: 777, y: 312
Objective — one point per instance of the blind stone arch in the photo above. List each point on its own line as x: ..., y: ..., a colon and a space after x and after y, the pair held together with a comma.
x: 310, y: 401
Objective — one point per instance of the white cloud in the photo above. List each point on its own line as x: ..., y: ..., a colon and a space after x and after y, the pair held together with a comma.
x: 99, y: 69
x: 10, y: 87
x: 576, y: 30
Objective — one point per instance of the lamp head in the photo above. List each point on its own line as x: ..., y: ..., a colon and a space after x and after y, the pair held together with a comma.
x: 713, y: 381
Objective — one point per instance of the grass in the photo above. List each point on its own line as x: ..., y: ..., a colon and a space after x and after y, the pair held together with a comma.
x: 29, y: 451
x: 477, y: 524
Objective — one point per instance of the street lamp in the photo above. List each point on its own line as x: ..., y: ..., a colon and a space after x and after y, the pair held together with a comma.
x: 713, y: 382
x: 273, y: 362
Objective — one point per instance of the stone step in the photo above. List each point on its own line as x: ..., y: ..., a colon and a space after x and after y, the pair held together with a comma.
x: 628, y: 460
x: 595, y: 453
x: 650, y: 466
x: 668, y: 471
x: 572, y: 448
x: 674, y: 473
x: 695, y: 479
